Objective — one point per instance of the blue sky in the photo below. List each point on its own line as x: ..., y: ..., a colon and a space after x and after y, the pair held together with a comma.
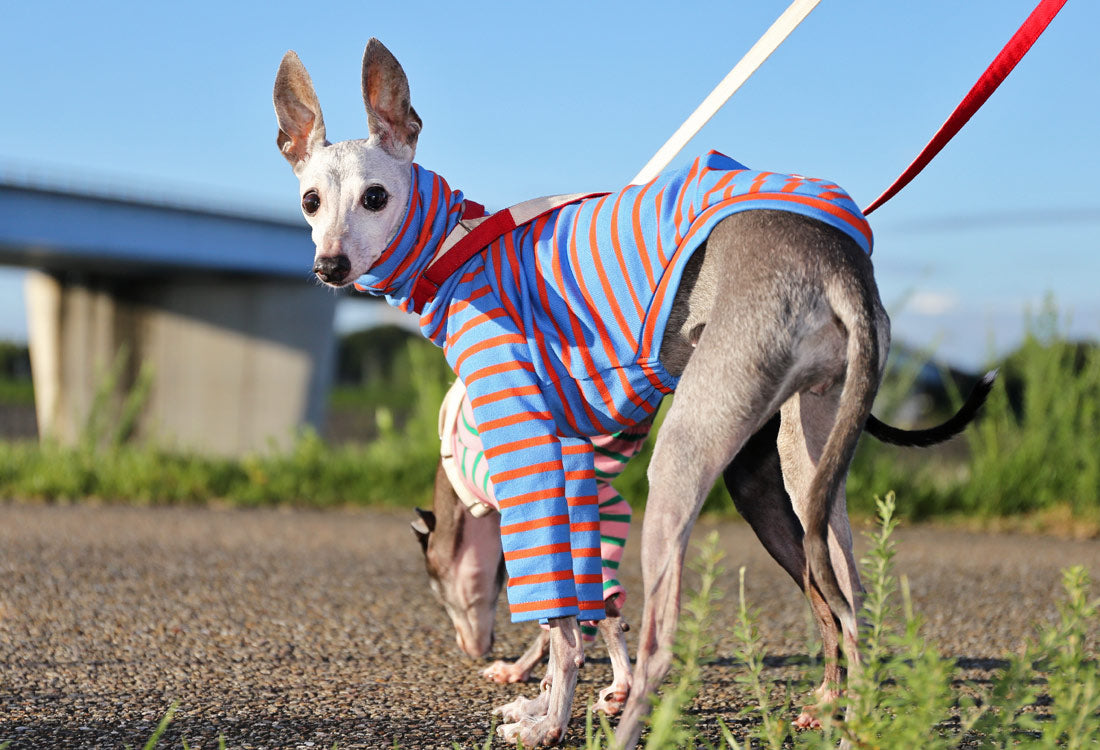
x: 523, y: 99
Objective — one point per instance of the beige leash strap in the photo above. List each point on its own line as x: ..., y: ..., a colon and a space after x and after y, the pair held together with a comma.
x: 742, y: 71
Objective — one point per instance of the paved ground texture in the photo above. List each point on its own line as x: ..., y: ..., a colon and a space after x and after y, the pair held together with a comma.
x: 279, y: 629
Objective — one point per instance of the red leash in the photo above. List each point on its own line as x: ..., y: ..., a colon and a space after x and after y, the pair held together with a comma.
x: 997, y: 71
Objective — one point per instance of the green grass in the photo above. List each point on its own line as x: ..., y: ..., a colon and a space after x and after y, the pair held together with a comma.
x: 909, y: 694
x: 396, y: 468
x: 1036, y: 458
x: 1031, y: 458
x: 19, y: 392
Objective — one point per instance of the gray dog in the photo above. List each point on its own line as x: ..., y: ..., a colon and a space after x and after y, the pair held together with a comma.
x: 755, y: 297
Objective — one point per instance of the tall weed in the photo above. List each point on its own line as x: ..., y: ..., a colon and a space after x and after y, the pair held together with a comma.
x: 669, y: 724
x: 1036, y: 446
x: 1032, y: 450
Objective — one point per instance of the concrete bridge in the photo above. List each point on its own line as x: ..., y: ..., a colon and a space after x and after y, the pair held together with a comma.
x: 235, y: 335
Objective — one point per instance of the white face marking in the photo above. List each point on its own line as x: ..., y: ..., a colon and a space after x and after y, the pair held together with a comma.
x: 340, y: 174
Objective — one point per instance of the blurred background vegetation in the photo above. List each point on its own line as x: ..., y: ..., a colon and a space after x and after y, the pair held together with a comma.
x: 1031, y: 459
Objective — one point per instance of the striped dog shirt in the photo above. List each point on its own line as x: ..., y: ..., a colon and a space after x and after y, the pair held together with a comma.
x: 556, y: 331
x: 468, y: 472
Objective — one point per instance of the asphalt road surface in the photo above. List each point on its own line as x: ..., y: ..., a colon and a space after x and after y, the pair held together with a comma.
x: 282, y: 629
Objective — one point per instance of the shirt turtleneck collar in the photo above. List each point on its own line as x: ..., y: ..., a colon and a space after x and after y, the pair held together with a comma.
x: 433, y: 211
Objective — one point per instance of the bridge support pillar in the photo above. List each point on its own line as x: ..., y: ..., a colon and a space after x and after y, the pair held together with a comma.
x: 234, y: 365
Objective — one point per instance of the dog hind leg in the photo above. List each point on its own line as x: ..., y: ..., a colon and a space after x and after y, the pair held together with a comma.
x: 723, y: 399
x: 806, y: 423
x: 754, y: 480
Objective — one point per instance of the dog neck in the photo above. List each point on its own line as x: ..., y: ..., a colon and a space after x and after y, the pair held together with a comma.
x: 433, y: 211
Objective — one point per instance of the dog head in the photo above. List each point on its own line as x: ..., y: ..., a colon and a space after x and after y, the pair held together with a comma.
x: 353, y: 193
x: 465, y: 565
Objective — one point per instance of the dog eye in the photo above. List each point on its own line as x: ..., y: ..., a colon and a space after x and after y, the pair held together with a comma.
x: 311, y: 202
x: 375, y: 197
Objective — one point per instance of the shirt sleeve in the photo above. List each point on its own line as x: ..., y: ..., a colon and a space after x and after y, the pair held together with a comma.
x: 546, y: 490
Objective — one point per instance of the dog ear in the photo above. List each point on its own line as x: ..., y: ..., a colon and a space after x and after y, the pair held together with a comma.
x: 427, y: 517
x: 390, y: 116
x: 301, y: 125
x: 423, y: 527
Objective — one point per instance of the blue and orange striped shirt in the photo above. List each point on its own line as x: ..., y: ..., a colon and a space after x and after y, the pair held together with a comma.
x: 556, y: 330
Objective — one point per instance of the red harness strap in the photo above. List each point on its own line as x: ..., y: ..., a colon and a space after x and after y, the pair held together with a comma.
x: 997, y: 71
x: 475, y: 233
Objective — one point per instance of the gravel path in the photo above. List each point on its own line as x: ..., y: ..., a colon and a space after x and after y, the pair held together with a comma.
x: 281, y: 629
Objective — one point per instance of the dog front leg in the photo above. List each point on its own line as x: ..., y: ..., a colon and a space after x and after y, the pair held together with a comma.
x: 547, y: 717
x: 520, y: 670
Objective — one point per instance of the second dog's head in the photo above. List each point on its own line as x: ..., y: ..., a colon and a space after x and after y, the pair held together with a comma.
x: 465, y: 565
x: 353, y: 193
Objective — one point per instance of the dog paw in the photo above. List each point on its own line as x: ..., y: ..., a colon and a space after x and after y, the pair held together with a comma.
x: 505, y: 673
x: 807, y: 720
x: 523, y: 709
x: 532, y: 732
x: 612, y: 699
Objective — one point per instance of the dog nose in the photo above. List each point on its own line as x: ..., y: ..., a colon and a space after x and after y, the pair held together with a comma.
x: 332, y: 269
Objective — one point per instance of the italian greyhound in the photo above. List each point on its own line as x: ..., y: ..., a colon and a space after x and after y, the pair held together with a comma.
x: 751, y: 294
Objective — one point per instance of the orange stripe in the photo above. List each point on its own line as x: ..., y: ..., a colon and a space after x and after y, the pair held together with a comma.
x: 759, y: 181
x: 409, y: 215
x: 591, y: 578
x: 583, y: 552
x: 604, y: 336
x: 678, y: 216
x: 475, y: 322
x: 532, y: 497
x: 616, y: 244
x: 489, y: 343
x: 485, y: 372
x: 511, y: 419
x: 653, y: 378
x: 538, y: 523
x: 456, y: 307
x: 518, y: 445
x: 582, y: 474
x: 540, y: 338
x: 425, y: 230
x: 793, y: 183
x: 578, y: 334
x: 526, y: 471
x: 576, y: 449
x: 500, y: 248
x: 582, y: 500
x: 660, y: 244
x: 590, y: 606
x: 583, y: 526
x: 570, y: 601
x: 605, y: 283
x: 527, y: 390
x: 561, y: 575
x: 545, y: 549
x: 469, y: 276
x: 857, y: 223
x: 639, y: 237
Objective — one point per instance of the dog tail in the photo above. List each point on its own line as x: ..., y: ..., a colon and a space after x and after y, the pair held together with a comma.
x: 850, y: 298
x: 955, y: 424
